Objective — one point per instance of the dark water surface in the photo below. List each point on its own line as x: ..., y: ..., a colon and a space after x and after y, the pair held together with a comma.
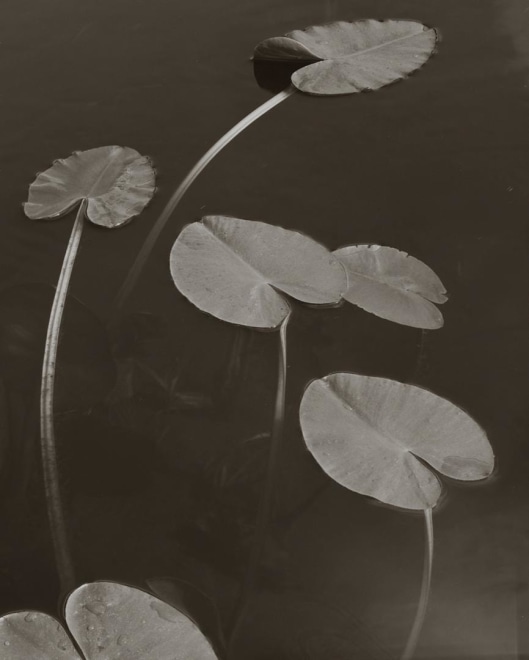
x: 164, y: 479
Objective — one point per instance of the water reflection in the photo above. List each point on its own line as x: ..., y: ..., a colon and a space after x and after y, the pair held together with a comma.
x: 513, y: 21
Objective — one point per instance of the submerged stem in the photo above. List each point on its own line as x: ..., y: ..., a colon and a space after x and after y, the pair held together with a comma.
x: 266, y: 506
x: 47, y: 428
x: 415, y: 632
x: 159, y: 225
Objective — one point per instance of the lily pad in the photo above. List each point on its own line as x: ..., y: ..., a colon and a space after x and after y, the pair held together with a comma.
x: 352, y: 57
x: 118, y: 182
x: 237, y: 269
x: 109, y: 621
x: 393, y: 285
x: 34, y: 636
x: 375, y: 436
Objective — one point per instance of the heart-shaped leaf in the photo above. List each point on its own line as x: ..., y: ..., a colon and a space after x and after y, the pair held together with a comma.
x: 392, y: 285
x: 352, y: 57
x: 373, y: 435
x: 34, y: 636
x: 234, y: 269
x: 118, y: 182
x: 110, y: 621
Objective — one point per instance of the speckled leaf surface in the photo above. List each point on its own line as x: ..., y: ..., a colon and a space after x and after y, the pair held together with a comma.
x: 34, y: 636
x: 352, y: 57
x: 392, y: 285
x: 111, y: 621
x: 236, y: 270
x: 374, y: 436
x: 118, y: 182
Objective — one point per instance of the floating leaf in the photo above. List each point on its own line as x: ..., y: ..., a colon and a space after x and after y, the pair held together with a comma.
x: 108, y: 621
x: 34, y: 636
x: 373, y: 435
x: 118, y: 182
x: 235, y: 270
x: 352, y: 57
x: 111, y: 620
x: 110, y: 185
x: 392, y: 285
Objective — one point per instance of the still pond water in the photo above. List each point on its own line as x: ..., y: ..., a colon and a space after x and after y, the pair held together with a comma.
x: 162, y: 473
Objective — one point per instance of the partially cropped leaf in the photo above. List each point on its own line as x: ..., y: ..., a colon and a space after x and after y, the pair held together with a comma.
x: 236, y: 270
x: 352, y: 57
x: 117, y: 182
x: 111, y: 621
x: 392, y: 285
x: 34, y: 636
x: 374, y: 436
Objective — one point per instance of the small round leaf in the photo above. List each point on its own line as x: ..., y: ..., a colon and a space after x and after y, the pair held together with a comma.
x: 352, y: 57
x: 374, y: 436
x: 392, y: 285
x: 118, y: 182
x: 235, y: 270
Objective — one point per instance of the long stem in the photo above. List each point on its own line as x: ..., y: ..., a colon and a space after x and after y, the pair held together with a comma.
x: 47, y: 428
x: 171, y: 205
x: 415, y: 633
x: 266, y: 506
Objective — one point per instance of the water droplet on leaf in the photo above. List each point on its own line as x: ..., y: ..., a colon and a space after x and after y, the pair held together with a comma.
x: 97, y: 607
x: 165, y: 612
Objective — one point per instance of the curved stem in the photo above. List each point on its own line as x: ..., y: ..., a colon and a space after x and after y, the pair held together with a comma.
x: 171, y: 205
x: 266, y: 506
x: 416, y: 629
x: 47, y: 428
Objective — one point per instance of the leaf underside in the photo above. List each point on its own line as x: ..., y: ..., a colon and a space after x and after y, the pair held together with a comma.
x: 352, y: 57
x: 109, y: 621
x: 118, y: 182
x: 237, y: 270
x: 374, y: 436
x: 393, y: 285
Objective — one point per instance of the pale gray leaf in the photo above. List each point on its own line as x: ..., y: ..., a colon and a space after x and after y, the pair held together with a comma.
x: 111, y: 621
x: 392, y: 285
x: 352, y: 57
x: 34, y: 636
x: 372, y: 435
x: 235, y: 270
x: 118, y: 182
